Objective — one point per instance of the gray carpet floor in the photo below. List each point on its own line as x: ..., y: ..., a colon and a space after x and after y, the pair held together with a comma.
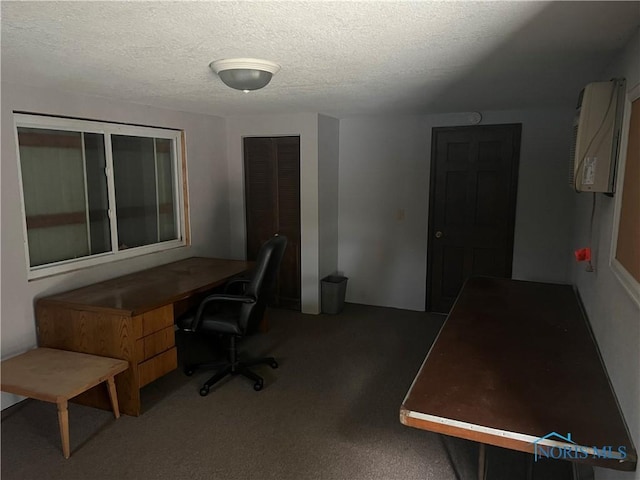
x: 330, y: 412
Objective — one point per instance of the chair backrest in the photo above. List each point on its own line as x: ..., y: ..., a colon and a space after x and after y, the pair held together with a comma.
x: 263, y: 281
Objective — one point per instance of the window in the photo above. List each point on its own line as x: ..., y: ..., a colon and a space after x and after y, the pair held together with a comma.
x: 625, y: 254
x: 94, y: 192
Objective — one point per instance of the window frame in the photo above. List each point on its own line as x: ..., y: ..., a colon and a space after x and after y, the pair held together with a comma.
x: 630, y: 284
x: 107, y: 129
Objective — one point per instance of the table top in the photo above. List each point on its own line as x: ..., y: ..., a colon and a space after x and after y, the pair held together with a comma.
x: 516, y: 365
x: 52, y: 375
x: 146, y: 290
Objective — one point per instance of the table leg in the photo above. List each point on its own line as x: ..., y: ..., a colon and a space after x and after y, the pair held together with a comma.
x: 581, y: 471
x: 482, y: 462
x: 63, y: 420
x: 113, y: 396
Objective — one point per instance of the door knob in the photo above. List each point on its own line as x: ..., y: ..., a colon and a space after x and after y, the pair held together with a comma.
x: 438, y: 234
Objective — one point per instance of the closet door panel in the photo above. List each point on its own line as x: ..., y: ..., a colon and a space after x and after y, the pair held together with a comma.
x: 272, y: 199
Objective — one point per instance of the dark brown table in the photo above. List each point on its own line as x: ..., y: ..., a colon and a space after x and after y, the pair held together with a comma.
x: 516, y: 365
x: 131, y: 318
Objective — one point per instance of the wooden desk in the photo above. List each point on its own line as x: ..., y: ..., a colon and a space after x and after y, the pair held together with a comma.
x: 131, y: 318
x: 56, y: 376
x: 514, y: 362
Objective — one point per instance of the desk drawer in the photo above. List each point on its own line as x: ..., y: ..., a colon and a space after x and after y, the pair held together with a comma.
x: 154, y: 344
x: 157, y: 366
x: 152, y: 321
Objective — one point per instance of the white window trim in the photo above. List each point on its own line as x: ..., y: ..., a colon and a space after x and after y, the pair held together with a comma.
x: 630, y: 284
x: 107, y: 129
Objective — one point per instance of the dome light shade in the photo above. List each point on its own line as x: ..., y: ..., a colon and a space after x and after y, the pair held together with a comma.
x: 245, y: 74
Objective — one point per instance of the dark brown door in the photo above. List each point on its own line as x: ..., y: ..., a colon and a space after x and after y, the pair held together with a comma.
x: 474, y: 174
x: 272, y: 199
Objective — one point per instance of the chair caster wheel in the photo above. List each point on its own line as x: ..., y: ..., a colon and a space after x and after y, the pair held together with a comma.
x: 188, y: 371
x: 204, y: 391
x: 274, y: 364
x: 258, y: 386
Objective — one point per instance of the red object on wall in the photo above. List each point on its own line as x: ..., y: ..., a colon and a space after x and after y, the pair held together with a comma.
x: 583, y: 254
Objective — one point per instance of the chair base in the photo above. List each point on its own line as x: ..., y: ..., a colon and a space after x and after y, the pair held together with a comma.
x: 233, y: 368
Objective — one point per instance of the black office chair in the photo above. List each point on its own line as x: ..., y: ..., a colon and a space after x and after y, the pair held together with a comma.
x: 234, y: 315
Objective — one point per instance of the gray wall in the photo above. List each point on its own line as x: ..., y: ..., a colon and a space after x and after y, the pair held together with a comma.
x: 328, y: 154
x: 383, y: 197
x: 614, y: 316
x: 209, y: 207
x: 383, y: 171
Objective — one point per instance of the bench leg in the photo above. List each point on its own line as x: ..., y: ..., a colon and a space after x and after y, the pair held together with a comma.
x: 113, y: 396
x: 63, y: 420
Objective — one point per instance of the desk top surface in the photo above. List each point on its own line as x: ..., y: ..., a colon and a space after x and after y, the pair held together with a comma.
x: 514, y: 362
x: 148, y: 289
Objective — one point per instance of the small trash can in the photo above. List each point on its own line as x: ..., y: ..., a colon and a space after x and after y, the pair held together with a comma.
x: 333, y: 290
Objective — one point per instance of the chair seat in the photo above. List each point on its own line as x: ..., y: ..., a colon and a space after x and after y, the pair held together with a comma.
x: 221, y: 324
x: 223, y: 320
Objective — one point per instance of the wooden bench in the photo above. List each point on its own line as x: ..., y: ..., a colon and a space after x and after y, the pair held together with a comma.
x: 56, y: 376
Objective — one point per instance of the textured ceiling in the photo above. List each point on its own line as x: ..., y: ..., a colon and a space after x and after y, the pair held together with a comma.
x: 337, y: 58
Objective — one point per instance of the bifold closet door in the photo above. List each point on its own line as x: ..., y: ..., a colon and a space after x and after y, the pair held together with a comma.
x: 272, y: 202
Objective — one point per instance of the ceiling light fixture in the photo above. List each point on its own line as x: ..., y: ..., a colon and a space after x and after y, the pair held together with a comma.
x: 245, y: 74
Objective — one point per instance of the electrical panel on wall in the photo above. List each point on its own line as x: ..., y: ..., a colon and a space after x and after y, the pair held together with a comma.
x: 596, y: 136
